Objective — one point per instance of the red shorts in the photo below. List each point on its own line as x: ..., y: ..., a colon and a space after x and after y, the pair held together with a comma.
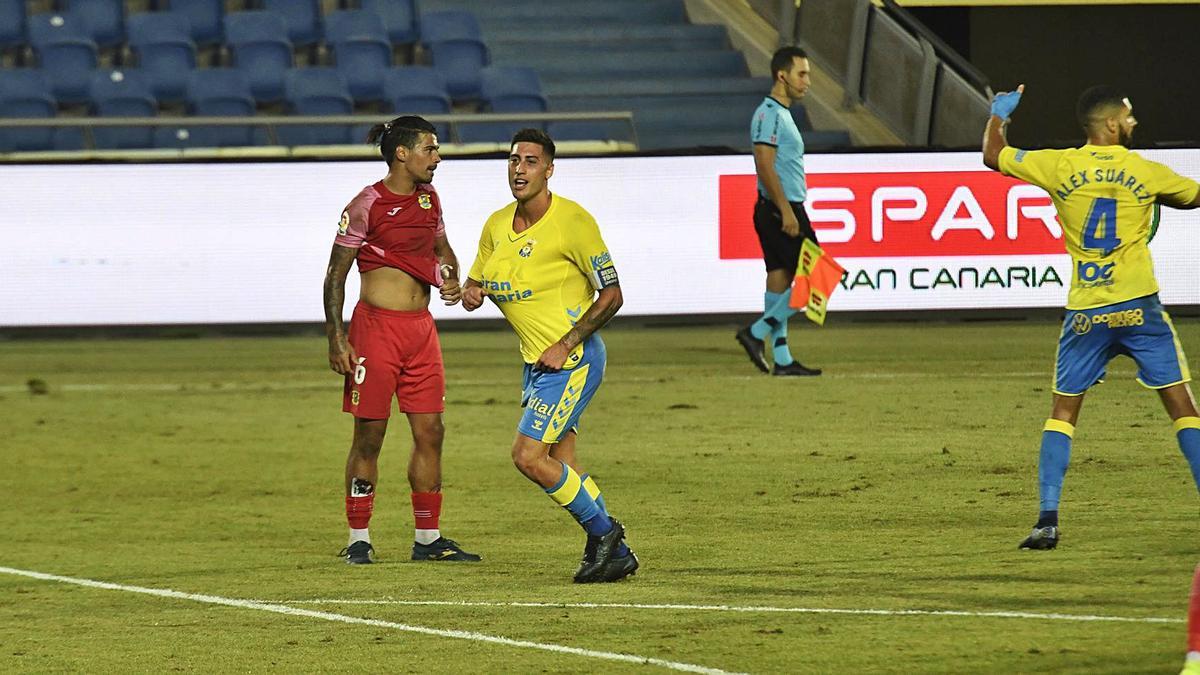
x: 398, y: 354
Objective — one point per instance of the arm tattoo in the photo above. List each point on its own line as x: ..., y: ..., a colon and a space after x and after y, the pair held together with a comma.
x: 592, y: 320
x: 340, y: 260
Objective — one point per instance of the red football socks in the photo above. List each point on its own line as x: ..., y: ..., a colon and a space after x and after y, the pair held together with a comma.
x: 427, y: 508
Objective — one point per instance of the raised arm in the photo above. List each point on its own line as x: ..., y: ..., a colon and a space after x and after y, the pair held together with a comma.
x: 341, y: 354
x: 994, y: 135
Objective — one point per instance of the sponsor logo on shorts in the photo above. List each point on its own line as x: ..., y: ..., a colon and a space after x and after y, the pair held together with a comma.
x: 1122, y: 319
x: 1081, y: 324
x: 354, y: 397
x: 539, y: 406
x: 424, y: 202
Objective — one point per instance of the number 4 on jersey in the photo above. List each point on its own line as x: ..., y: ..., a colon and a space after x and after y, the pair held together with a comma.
x: 1100, y: 231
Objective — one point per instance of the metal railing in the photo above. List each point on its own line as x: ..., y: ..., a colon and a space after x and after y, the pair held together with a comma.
x: 270, y: 122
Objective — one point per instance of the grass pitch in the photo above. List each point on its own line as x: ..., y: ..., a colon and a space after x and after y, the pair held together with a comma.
x: 817, y: 512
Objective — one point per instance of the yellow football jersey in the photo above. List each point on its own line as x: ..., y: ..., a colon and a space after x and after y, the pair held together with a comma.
x: 546, y: 277
x: 1105, y: 197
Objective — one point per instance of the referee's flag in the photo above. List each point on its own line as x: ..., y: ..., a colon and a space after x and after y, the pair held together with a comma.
x: 817, y: 275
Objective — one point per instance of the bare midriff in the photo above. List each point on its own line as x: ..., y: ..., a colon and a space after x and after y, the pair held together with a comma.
x: 390, y: 288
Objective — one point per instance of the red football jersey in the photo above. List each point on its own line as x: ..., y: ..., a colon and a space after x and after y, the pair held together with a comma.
x: 391, y: 230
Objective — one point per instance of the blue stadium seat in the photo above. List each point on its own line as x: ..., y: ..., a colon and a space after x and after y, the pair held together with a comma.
x: 219, y: 92
x: 260, y: 47
x: 506, y: 89
x: 456, y: 49
x: 25, y: 92
x: 303, y: 18
x: 66, y: 53
x: 122, y: 93
x: 512, y: 89
x: 417, y: 90
x: 449, y: 25
x: 204, y: 19
x: 316, y: 91
x: 459, y: 62
x: 165, y: 51
x: 12, y: 23
x: 361, y: 50
x: 399, y: 19
x: 105, y: 19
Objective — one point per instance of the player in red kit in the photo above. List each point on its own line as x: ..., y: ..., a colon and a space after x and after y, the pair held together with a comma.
x: 394, y: 230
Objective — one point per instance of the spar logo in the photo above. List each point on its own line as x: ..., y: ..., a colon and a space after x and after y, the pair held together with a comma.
x: 861, y: 215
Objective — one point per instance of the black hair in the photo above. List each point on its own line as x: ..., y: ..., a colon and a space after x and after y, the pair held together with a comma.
x: 1094, y: 99
x: 535, y: 136
x: 781, y: 60
x: 400, y: 132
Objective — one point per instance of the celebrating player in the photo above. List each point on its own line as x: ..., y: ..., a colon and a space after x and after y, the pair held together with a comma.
x: 1106, y: 197
x: 542, y: 261
x: 394, y: 229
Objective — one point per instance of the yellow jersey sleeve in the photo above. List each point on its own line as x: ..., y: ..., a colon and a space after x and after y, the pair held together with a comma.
x: 1037, y: 167
x: 486, y: 247
x: 1171, y: 188
x: 584, y: 246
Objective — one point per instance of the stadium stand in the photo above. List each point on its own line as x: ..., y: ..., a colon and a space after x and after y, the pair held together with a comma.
x: 639, y: 55
x: 105, y: 20
x: 417, y: 90
x: 506, y: 89
x: 360, y: 50
x: 163, y: 45
x: 25, y: 93
x: 260, y: 48
x: 12, y: 24
x: 456, y: 49
x: 122, y: 93
x: 466, y: 55
x: 303, y: 19
x: 316, y: 91
x: 399, y: 19
x: 218, y: 92
x: 65, y: 52
x: 204, y: 18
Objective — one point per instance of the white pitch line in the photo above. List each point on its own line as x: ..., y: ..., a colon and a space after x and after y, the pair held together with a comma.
x: 736, y: 608
x: 333, y: 384
x: 294, y: 611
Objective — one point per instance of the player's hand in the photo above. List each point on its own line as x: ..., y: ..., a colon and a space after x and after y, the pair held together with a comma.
x: 341, y: 355
x: 451, y: 291
x: 791, y: 226
x: 552, y: 360
x: 1006, y: 102
x: 472, y: 298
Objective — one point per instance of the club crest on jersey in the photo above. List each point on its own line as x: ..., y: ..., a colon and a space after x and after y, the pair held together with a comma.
x: 527, y: 249
x: 344, y: 223
x: 424, y: 202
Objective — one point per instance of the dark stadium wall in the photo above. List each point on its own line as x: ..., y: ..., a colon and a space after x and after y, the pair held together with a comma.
x: 1151, y: 51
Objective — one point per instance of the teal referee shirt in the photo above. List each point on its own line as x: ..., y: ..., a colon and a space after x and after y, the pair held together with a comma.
x: 773, y: 125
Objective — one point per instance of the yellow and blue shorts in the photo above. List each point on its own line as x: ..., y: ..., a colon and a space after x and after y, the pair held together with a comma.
x: 553, y: 402
x: 1138, y: 328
